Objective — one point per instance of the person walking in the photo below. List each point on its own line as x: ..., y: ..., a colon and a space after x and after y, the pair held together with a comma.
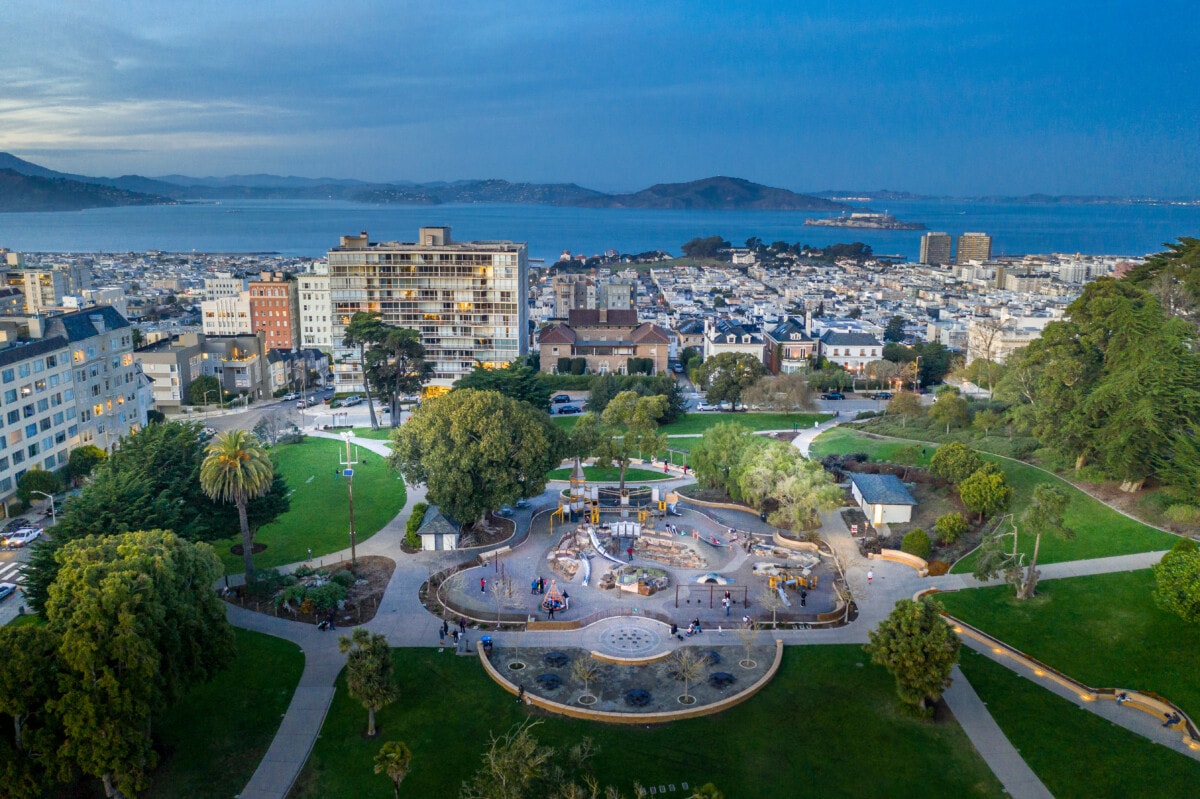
x: 533, y: 585
x: 445, y: 627
x: 462, y: 625
x: 870, y: 576
x: 441, y: 635
x: 482, y: 585
x: 727, y: 604
x: 629, y: 552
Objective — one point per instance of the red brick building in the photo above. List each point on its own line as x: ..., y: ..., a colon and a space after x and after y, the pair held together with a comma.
x: 275, y: 310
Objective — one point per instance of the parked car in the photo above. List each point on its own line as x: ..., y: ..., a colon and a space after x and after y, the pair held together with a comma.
x: 6, y: 589
x: 522, y: 503
x: 22, y: 537
x: 506, y: 510
x: 570, y: 409
x: 291, y: 395
x: 833, y: 395
x: 558, y: 399
x: 352, y: 400
x: 704, y: 406
x: 302, y: 404
x: 882, y: 395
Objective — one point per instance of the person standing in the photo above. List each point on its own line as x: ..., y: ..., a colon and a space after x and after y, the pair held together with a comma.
x: 482, y: 585
x: 441, y: 635
x: 462, y: 626
x: 870, y: 575
x: 629, y: 552
x: 445, y: 627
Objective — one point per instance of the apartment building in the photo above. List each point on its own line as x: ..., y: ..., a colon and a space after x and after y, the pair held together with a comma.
x: 44, y: 289
x: 226, y: 316
x: 316, y: 329
x: 467, y: 300
x: 275, y: 310
x: 38, y: 414
x: 935, y: 248
x: 973, y: 247
x: 224, y: 285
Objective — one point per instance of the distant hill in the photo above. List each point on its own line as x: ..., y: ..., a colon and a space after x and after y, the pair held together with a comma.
x: 19, y: 192
x: 714, y: 194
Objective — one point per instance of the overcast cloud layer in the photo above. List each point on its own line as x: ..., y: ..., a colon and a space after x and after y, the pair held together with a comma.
x: 948, y: 98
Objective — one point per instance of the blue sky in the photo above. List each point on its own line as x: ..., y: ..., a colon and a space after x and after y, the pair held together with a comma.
x: 944, y: 98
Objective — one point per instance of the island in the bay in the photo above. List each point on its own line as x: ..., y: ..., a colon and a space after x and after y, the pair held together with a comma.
x: 865, y: 220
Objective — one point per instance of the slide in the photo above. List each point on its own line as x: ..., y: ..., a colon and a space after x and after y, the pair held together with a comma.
x: 783, y: 596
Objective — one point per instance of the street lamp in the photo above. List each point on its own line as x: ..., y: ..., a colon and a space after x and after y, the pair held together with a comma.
x: 53, y: 514
x: 917, y: 377
x: 216, y: 391
x: 348, y: 472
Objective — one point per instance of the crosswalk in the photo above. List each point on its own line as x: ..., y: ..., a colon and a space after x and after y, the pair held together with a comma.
x: 12, y: 572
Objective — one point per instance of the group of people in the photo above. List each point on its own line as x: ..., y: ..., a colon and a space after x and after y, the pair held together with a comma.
x: 455, y: 633
x: 537, y: 586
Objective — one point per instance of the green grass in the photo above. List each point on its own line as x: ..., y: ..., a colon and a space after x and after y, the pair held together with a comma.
x: 1103, y: 630
x: 608, y: 474
x: 824, y: 727
x: 213, y: 740
x: 1100, y: 530
x: 1074, y: 752
x: 319, y: 516
x: 382, y: 434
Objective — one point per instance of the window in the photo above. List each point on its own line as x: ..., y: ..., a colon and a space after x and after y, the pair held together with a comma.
x: 44, y: 425
x: 3, y: 464
x: 58, y: 418
x: 39, y: 366
x: 51, y: 361
x: 14, y: 417
x: 8, y: 375
x: 23, y: 370
x: 6, y: 484
x: 60, y: 437
x: 33, y: 450
x: 28, y: 410
x: 39, y: 386
x: 43, y: 405
x: 10, y: 395
x: 31, y: 430
x: 54, y: 380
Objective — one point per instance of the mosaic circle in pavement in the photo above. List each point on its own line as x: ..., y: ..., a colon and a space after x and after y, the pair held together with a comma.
x: 629, y: 640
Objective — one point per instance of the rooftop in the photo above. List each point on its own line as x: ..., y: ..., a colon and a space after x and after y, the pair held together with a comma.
x: 882, y: 489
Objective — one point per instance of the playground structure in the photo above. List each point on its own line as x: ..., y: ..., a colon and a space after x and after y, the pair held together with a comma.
x: 588, y: 502
x: 641, y: 580
x: 554, y: 601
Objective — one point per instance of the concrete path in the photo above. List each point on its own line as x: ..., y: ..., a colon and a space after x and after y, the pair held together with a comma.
x: 1002, y: 757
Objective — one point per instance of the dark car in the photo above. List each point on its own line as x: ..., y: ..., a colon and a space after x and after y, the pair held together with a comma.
x: 835, y: 395
x: 558, y: 399
x: 882, y: 395
x: 570, y: 409
x: 6, y: 589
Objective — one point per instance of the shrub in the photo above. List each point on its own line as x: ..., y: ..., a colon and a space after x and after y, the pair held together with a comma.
x: 16, y: 508
x: 950, y: 528
x: 916, y: 543
x: 325, y: 597
x: 1183, y: 514
x: 344, y: 579
x: 868, y: 414
x: 1091, y: 474
x: 304, y: 571
x: 578, y: 366
x: 564, y: 366
x: 1185, y: 545
x: 411, y: 540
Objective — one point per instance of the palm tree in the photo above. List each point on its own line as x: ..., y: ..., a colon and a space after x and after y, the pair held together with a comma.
x: 237, y: 469
x: 394, y: 759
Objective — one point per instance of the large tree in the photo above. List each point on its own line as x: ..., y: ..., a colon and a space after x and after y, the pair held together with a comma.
x: 36, y: 482
x: 918, y: 647
x: 83, y: 461
x: 894, y: 331
x: 396, y: 366
x: 237, y: 469
x: 369, y: 672
x: 364, y: 331
x: 1173, y: 277
x: 205, y: 390
x: 950, y: 409
x: 151, y: 482
x: 138, y: 624
x: 725, y: 376
x: 907, y: 405
x: 28, y: 684
x: 1177, y: 581
x: 786, y: 393
x: 629, y: 429
x: 986, y: 492
x: 955, y: 462
x: 517, y: 380
x: 476, y: 450
x: 394, y: 759
x: 1045, y: 515
x: 715, y: 458
x: 800, y: 487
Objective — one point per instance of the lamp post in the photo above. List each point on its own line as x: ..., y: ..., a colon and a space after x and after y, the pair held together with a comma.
x: 53, y: 514
x: 216, y: 391
x: 348, y: 472
x: 917, y: 377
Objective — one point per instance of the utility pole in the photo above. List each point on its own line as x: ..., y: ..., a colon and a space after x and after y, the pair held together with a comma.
x: 348, y: 472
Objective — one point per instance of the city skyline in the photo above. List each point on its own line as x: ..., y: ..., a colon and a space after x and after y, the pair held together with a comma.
x: 1068, y: 99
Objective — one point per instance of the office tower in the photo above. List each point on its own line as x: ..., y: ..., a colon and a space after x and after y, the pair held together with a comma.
x: 467, y: 300
x: 973, y: 247
x: 935, y: 248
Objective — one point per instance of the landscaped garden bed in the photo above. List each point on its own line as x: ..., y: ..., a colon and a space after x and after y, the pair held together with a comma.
x: 350, y: 592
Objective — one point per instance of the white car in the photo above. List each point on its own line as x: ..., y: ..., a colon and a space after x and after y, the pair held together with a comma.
x: 21, y: 537
x: 291, y: 395
x: 704, y: 406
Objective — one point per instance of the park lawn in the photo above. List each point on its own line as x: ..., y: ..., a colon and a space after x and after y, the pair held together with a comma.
x: 610, y: 474
x: 382, y: 434
x: 1100, y: 530
x: 1074, y: 752
x: 320, y: 516
x: 212, y: 741
x: 828, y: 722
x: 697, y: 423
x: 1104, y: 630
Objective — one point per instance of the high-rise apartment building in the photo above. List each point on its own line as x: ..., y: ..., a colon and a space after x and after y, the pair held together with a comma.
x: 467, y: 300
x: 223, y: 285
x: 935, y: 248
x: 573, y: 292
x: 44, y: 289
x: 617, y: 294
x: 226, y: 316
x: 316, y: 331
x: 275, y: 310
x: 973, y: 247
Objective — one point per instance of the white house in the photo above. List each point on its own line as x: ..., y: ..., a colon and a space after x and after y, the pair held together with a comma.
x: 883, y: 498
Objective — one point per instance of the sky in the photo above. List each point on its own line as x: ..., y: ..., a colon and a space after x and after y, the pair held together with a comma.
x: 959, y: 98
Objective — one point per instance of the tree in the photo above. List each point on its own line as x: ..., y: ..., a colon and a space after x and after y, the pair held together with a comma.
x: 476, y: 450
x: 1173, y: 276
x: 716, y: 456
x: 772, y: 602
x: 629, y: 430
x: 138, y: 625
x: 936, y: 362
x: 951, y: 527
x: 702, y: 248
x: 688, y: 355
x: 39, y: 480
x: 205, y: 390
x: 585, y: 669
x: 747, y: 633
x: 369, y: 671
x: 784, y: 393
x: 28, y: 680
x: 894, y: 330
x: 906, y: 405
x: 83, y: 460
x: 950, y: 410
x: 517, y: 766
x: 1045, y: 515
x: 515, y: 380
x: 916, y: 542
x: 918, y: 647
x: 987, y: 420
x: 1177, y: 581
x: 686, y: 665
x: 898, y: 353
x: 955, y: 462
x: 503, y: 594
x: 985, y: 492
x: 604, y: 388
x: 365, y: 330
x: 237, y: 470
x: 725, y: 376
x: 394, y: 760
x: 883, y: 372
x: 270, y: 427
x: 396, y: 366
x: 800, y: 486
x: 151, y: 482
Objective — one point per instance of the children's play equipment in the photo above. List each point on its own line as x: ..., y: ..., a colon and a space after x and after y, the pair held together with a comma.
x: 554, y: 601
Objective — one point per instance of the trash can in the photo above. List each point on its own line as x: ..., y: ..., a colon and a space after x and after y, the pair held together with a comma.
x: 486, y: 643
x: 762, y: 515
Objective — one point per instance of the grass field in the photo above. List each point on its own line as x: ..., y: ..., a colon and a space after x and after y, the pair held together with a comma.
x: 827, y: 726
x: 320, y: 516
x: 1103, y: 630
x: 694, y: 423
x: 1076, y: 753
x: 608, y: 474
x: 213, y: 740
x: 382, y: 434
x: 1100, y: 530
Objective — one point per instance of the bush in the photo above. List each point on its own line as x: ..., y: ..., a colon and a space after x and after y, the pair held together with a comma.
x: 1091, y: 474
x: 868, y: 414
x: 325, y: 597
x: 564, y: 366
x: 16, y: 508
x: 1183, y: 514
x: 916, y: 543
x: 304, y: 571
x: 950, y: 528
x: 411, y: 540
x: 344, y: 579
x: 578, y: 366
x: 1185, y: 545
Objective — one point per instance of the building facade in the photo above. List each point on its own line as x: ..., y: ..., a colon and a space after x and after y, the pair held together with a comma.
x: 38, y: 415
x: 467, y: 300
x: 226, y: 316
x: 606, y: 340
x: 316, y: 329
x: 935, y: 248
x: 223, y: 285
x: 275, y: 310
x: 973, y: 247
x: 789, y: 348
x: 851, y: 351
